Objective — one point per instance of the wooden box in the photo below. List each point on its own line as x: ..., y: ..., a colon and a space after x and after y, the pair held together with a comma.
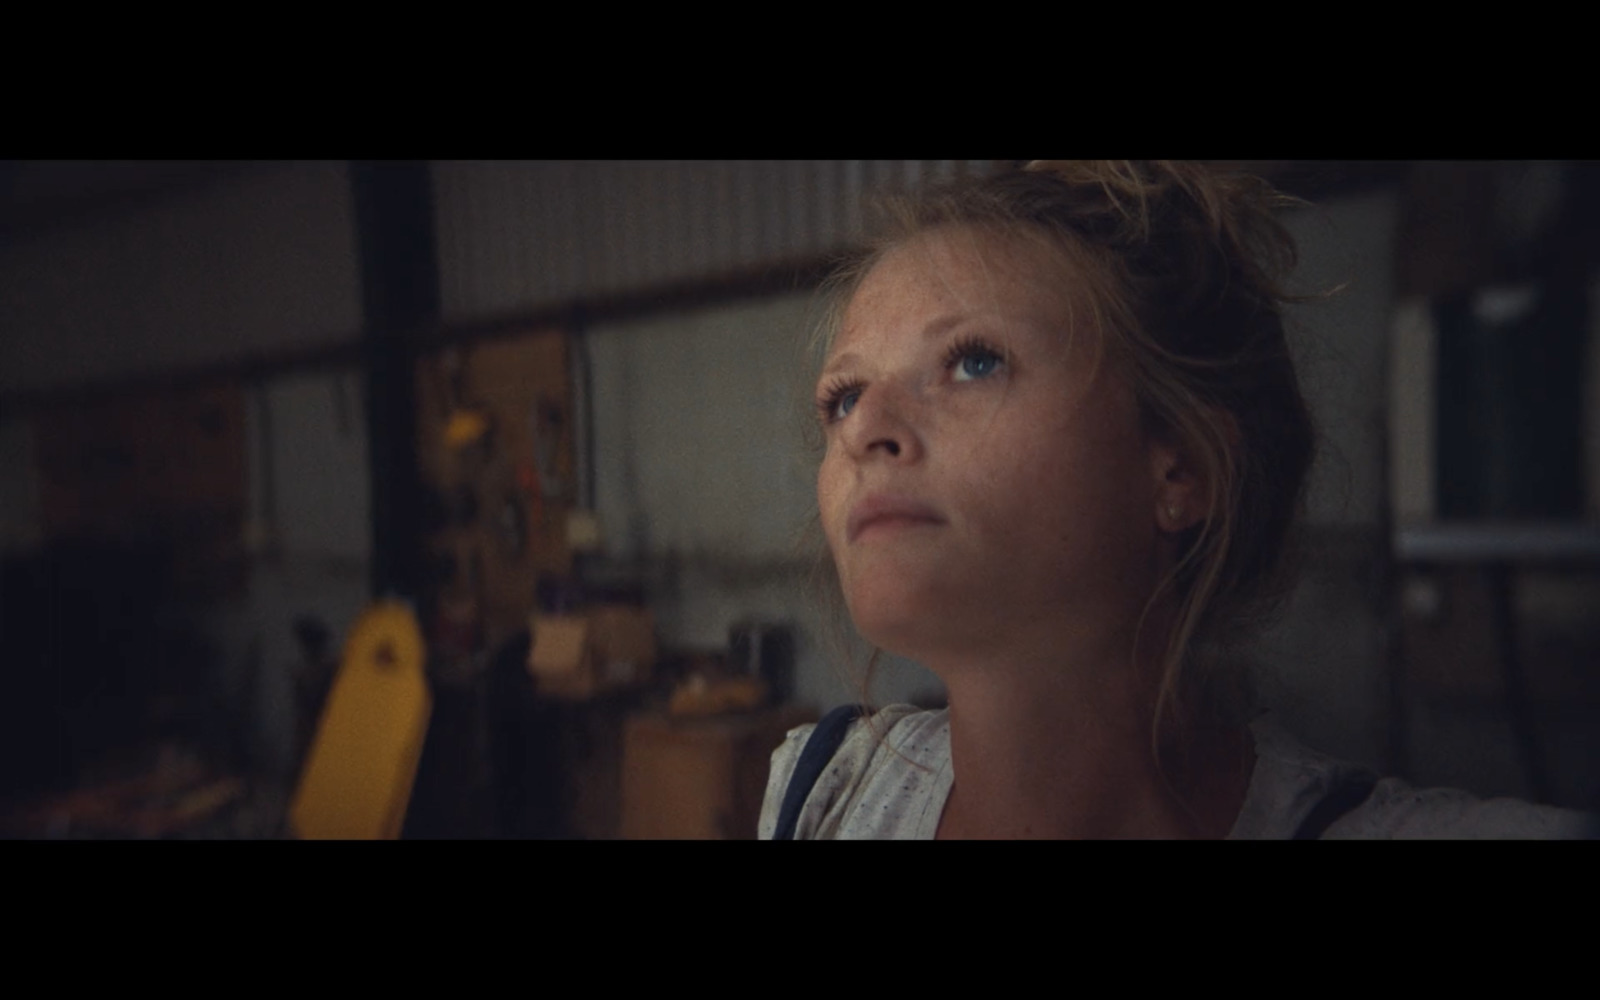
x: 700, y: 779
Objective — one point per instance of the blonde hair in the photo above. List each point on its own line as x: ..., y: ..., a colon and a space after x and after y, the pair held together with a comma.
x: 1184, y: 266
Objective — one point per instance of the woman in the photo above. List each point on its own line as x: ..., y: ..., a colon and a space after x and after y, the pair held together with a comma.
x: 1065, y: 446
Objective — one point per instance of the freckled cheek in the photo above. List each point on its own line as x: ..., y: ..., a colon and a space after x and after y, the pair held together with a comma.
x: 1042, y: 487
x: 830, y: 493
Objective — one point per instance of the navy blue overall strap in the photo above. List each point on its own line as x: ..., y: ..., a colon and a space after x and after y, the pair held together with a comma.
x: 818, y: 751
x: 1347, y: 792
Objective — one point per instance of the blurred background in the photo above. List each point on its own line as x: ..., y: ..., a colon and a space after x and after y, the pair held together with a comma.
x: 556, y: 410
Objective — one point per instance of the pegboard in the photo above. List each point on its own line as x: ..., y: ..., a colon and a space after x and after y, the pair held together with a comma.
x: 500, y: 500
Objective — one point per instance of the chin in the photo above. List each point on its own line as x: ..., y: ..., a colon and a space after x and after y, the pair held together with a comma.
x: 881, y: 614
x: 917, y: 626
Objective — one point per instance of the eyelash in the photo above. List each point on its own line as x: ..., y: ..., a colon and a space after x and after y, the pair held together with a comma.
x: 835, y: 392
x: 972, y: 347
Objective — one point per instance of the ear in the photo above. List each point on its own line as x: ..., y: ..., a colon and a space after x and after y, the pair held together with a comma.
x: 1180, y: 490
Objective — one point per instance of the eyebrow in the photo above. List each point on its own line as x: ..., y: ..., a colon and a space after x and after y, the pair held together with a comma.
x: 938, y: 328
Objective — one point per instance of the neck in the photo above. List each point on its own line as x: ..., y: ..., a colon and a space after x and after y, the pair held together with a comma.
x: 1057, y: 742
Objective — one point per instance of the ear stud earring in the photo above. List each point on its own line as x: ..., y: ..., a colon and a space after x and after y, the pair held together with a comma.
x: 1172, y: 514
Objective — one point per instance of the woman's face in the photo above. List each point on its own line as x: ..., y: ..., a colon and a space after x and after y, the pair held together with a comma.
x: 985, y: 479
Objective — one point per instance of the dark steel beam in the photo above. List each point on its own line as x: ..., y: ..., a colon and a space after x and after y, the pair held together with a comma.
x: 399, y: 265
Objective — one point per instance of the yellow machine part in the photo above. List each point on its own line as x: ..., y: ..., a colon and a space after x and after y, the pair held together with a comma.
x: 358, y: 776
x: 466, y: 426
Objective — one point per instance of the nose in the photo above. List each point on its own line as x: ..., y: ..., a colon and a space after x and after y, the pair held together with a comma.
x: 884, y: 424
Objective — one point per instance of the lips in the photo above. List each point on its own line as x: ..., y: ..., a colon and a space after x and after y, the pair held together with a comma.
x: 882, y: 510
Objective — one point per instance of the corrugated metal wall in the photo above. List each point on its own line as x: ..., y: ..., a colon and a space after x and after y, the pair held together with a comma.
x: 529, y: 234
x: 266, y: 262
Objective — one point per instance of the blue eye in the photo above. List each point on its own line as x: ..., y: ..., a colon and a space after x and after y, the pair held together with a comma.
x: 837, y: 401
x: 978, y: 365
x: 970, y: 361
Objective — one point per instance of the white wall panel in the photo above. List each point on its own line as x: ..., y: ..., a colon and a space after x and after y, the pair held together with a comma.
x: 701, y: 461
x: 698, y: 434
x: 315, y: 498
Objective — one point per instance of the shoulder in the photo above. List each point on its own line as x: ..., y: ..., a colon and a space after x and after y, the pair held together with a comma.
x: 1397, y: 811
x: 885, y: 759
x: 1292, y: 782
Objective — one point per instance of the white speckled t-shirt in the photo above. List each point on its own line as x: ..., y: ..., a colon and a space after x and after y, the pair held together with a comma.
x: 891, y: 776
